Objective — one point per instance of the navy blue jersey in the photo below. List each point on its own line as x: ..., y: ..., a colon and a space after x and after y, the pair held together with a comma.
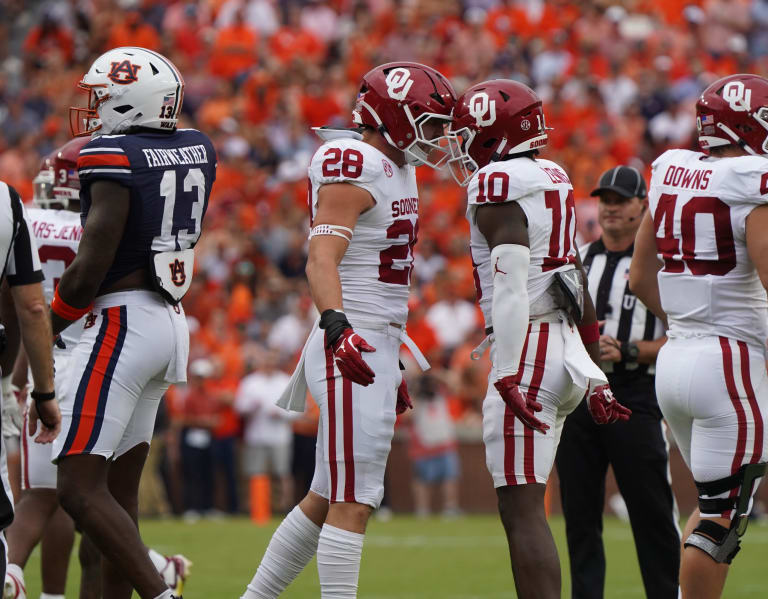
x: 169, y: 175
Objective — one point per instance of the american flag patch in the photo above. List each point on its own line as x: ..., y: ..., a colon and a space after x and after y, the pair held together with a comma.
x: 169, y: 100
x: 707, y: 119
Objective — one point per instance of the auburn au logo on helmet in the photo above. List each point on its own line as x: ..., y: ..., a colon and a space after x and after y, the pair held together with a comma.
x: 127, y: 69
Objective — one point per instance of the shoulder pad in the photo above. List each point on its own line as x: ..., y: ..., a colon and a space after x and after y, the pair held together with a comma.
x: 327, y: 133
x: 348, y: 160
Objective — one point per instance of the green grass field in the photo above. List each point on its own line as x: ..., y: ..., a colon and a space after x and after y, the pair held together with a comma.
x: 407, y: 558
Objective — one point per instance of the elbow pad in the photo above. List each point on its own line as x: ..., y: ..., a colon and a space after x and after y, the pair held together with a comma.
x: 509, y: 264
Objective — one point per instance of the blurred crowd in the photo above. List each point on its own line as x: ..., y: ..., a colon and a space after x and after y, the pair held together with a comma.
x: 618, y: 80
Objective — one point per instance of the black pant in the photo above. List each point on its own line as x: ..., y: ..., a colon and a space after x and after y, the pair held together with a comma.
x: 638, y: 454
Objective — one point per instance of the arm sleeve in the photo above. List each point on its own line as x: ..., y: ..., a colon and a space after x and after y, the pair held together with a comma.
x: 510, y: 309
x: 23, y: 267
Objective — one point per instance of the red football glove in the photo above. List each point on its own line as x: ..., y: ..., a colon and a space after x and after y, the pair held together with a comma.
x: 349, y: 360
x: 522, y: 407
x: 604, y: 407
x: 403, y: 399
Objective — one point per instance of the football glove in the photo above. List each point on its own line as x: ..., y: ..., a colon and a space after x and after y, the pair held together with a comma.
x: 347, y: 347
x: 603, y: 406
x: 520, y: 404
x: 403, y: 399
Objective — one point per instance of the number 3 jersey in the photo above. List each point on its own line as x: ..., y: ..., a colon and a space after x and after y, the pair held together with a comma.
x: 57, y: 233
x: 169, y: 176
x: 375, y: 271
x: 544, y: 192
x: 699, y: 205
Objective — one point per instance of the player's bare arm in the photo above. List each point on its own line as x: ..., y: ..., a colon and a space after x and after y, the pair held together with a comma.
x: 339, y: 206
x: 31, y: 309
x: 102, y: 233
x: 644, y: 268
x: 757, y: 241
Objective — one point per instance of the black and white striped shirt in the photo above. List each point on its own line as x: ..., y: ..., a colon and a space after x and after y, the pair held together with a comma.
x: 626, y: 318
x: 21, y: 264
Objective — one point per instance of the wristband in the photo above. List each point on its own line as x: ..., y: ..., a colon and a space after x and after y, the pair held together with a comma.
x: 64, y: 310
x: 39, y: 397
x: 590, y: 333
x: 334, y: 322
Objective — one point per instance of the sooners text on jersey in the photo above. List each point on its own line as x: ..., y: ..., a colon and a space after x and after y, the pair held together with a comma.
x: 544, y: 192
x: 699, y: 205
x: 376, y: 269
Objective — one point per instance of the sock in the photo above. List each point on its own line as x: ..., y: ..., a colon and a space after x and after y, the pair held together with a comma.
x: 16, y: 571
x: 158, y: 559
x: 49, y: 596
x: 338, y: 562
x: 290, y: 550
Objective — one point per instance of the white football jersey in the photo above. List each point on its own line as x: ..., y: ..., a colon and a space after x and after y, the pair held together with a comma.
x: 544, y: 192
x: 699, y: 205
x: 375, y: 271
x: 58, y: 234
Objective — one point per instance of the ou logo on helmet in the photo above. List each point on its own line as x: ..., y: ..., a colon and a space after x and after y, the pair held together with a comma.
x: 738, y: 97
x: 483, y: 109
x: 398, y: 82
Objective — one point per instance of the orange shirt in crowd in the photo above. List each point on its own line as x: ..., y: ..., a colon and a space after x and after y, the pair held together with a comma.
x: 131, y: 32
x: 234, y: 51
x: 288, y: 43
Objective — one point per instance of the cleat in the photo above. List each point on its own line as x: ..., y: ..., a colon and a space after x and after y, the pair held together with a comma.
x: 13, y: 588
x: 175, y: 573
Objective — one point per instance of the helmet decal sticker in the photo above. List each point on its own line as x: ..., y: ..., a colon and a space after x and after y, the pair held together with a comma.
x: 481, y: 105
x: 398, y: 83
x: 127, y: 69
x: 737, y: 96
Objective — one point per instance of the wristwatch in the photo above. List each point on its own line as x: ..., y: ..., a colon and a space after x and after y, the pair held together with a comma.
x: 629, y: 352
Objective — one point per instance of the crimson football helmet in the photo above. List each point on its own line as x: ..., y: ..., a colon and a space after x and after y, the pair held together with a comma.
x: 57, y: 183
x: 410, y: 104
x: 492, y: 120
x: 734, y: 110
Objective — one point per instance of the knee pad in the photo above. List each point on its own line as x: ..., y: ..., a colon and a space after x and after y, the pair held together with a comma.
x: 719, y: 542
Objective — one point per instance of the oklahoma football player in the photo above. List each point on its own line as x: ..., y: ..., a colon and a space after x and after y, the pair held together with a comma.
x: 364, y: 207
x: 538, y: 312
x: 701, y: 261
x: 57, y: 230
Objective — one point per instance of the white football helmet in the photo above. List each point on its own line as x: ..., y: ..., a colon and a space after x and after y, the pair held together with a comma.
x: 129, y: 87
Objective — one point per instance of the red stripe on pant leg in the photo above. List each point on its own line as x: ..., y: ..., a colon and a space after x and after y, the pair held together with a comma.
x: 741, y: 438
x: 508, y: 432
x: 330, y: 380
x: 533, y: 393
x: 757, y: 448
x: 95, y: 381
x: 349, y: 451
x: 25, y: 452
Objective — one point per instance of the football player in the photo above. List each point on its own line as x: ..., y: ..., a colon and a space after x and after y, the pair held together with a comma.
x: 364, y: 212
x: 57, y: 230
x: 701, y: 261
x: 538, y: 314
x: 144, y: 191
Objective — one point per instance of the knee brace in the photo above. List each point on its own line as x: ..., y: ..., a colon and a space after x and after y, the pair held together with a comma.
x: 719, y: 542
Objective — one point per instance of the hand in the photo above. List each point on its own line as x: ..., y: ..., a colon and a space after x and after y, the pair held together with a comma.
x: 603, y: 406
x: 610, y: 349
x: 347, y: 352
x: 47, y: 412
x: 403, y: 399
x: 522, y: 407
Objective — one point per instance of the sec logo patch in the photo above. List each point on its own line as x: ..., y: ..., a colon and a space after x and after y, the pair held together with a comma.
x: 387, y: 167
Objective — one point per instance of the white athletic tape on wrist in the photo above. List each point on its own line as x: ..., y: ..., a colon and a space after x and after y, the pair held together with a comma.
x: 510, y: 304
x: 337, y: 230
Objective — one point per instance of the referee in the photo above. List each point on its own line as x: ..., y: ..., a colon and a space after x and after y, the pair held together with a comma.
x: 23, y: 275
x: 637, y: 450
